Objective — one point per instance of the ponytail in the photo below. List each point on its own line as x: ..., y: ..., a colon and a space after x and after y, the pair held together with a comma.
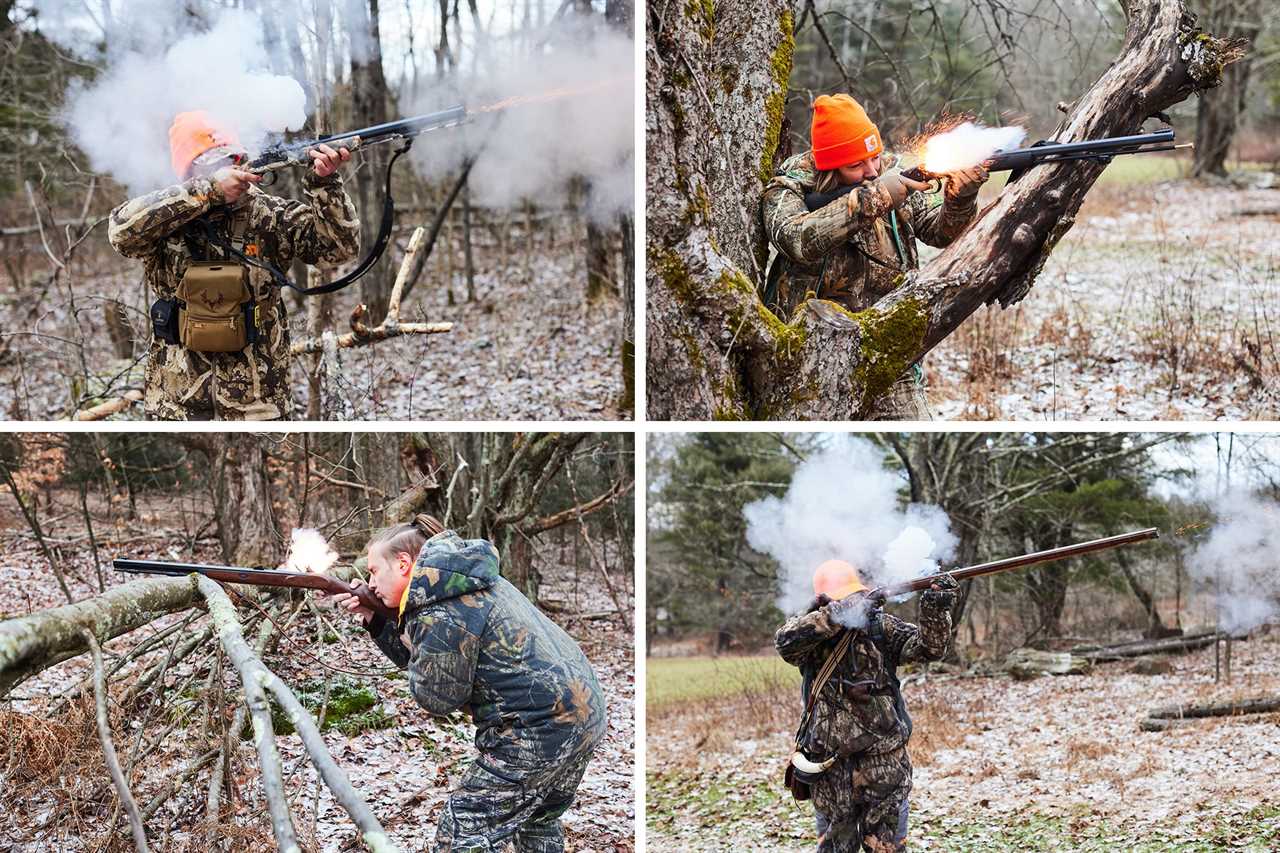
x: 409, y: 537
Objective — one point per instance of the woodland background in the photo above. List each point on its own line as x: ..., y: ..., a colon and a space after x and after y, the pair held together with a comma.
x: 540, y: 295
x: 558, y: 506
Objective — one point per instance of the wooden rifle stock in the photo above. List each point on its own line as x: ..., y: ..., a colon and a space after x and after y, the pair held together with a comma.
x: 258, y: 577
x: 1009, y: 563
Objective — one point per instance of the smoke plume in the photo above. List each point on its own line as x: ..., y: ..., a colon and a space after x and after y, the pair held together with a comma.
x: 571, y: 114
x: 309, y: 552
x: 967, y: 145
x: 844, y: 504
x: 1239, y: 564
x: 121, y: 119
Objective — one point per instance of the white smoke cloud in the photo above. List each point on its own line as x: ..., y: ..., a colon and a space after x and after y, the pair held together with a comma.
x: 532, y: 149
x: 121, y: 120
x: 967, y: 145
x: 309, y: 552
x: 843, y: 504
x: 1239, y: 564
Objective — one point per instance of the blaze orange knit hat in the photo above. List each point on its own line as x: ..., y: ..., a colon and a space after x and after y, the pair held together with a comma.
x: 841, y: 133
x: 837, y: 579
x: 192, y: 134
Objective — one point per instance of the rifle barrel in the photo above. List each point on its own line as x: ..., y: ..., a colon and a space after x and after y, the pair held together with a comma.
x: 1018, y: 562
x: 255, y: 577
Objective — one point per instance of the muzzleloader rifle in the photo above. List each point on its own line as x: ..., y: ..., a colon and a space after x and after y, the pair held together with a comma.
x: 283, y: 155
x: 1010, y: 563
x: 258, y: 577
x: 1041, y: 154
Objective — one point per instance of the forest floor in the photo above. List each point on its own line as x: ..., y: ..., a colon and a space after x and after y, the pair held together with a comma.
x: 1161, y: 303
x: 55, y: 793
x: 1057, y: 763
x: 528, y: 347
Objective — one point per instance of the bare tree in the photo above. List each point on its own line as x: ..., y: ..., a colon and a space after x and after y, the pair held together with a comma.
x: 1218, y: 113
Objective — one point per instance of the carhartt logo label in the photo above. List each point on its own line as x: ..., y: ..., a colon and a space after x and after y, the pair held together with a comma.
x: 871, y: 143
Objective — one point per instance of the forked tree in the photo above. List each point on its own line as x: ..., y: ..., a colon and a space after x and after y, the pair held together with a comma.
x: 716, y: 82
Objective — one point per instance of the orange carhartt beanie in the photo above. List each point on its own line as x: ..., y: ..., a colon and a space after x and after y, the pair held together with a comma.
x: 192, y: 134
x: 842, y: 134
x: 837, y: 579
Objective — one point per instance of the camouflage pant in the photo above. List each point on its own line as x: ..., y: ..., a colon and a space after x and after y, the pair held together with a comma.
x: 861, y: 803
x: 489, y: 810
x: 905, y: 400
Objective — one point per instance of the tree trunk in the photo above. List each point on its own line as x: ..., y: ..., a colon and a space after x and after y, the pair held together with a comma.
x: 599, y: 264
x: 247, y: 528
x: 1155, y: 626
x: 1219, y: 110
x: 369, y: 100
x: 716, y: 84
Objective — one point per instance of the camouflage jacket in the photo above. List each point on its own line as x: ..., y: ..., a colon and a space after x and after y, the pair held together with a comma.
x: 252, y: 384
x: 470, y: 638
x: 827, y: 251
x: 860, y: 709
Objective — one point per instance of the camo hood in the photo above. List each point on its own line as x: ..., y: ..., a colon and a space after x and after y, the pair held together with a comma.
x: 449, y: 566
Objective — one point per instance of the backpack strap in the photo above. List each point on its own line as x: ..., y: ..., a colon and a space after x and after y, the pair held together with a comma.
x: 824, y: 675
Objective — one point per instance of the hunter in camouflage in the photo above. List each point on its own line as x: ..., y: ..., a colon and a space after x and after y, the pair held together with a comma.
x: 856, y: 249
x: 471, y: 641
x: 253, y: 383
x: 860, y: 717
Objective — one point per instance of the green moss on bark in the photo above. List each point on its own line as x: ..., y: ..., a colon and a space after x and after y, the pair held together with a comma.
x: 775, y: 105
x: 889, y: 343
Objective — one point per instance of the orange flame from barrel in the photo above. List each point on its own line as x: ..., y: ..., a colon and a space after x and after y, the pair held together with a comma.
x: 554, y: 94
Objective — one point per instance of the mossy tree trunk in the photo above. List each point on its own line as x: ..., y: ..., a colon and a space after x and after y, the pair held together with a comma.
x: 716, y: 77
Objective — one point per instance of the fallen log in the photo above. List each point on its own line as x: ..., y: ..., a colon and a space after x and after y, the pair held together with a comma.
x: 1185, y: 643
x: 1025, y: 664
x: 1172, y: 715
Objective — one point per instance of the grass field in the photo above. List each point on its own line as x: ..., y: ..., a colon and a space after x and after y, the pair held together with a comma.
x: 673, y: 681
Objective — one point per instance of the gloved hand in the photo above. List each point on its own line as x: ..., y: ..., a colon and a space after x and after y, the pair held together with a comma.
x: 966, y: 183
x: 941, y: 595
x: 900, y: 187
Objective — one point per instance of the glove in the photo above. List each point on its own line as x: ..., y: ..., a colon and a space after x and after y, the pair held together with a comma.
x: 964, y: 185
x: 942, y: 595
x: 899, y: 187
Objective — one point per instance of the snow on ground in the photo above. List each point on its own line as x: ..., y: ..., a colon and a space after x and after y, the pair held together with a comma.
x: 404, y: 772
x: 528, y: 348
x: 1061, y: 757
x: 1161, y: 303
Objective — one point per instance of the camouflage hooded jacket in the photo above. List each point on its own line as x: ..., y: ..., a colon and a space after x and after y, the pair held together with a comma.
x: 827, y: 251
x: 470, y: 638
x: 252, y: 384
x: 860, y: 709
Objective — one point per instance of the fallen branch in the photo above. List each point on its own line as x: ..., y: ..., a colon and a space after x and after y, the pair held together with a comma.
x: 1185, y: 643
x: 108, y: 748
x: 30, y: 644
x: 252, y: 675
x: 391, y: 327
x: 255, y: 676
x: 110, y: 407
x: 1171, y: 715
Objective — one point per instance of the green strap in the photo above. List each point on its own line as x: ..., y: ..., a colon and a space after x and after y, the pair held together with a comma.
x: 897, y: 240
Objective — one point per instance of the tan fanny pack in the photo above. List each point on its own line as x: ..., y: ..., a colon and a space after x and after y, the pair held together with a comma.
x: 215, y: 308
